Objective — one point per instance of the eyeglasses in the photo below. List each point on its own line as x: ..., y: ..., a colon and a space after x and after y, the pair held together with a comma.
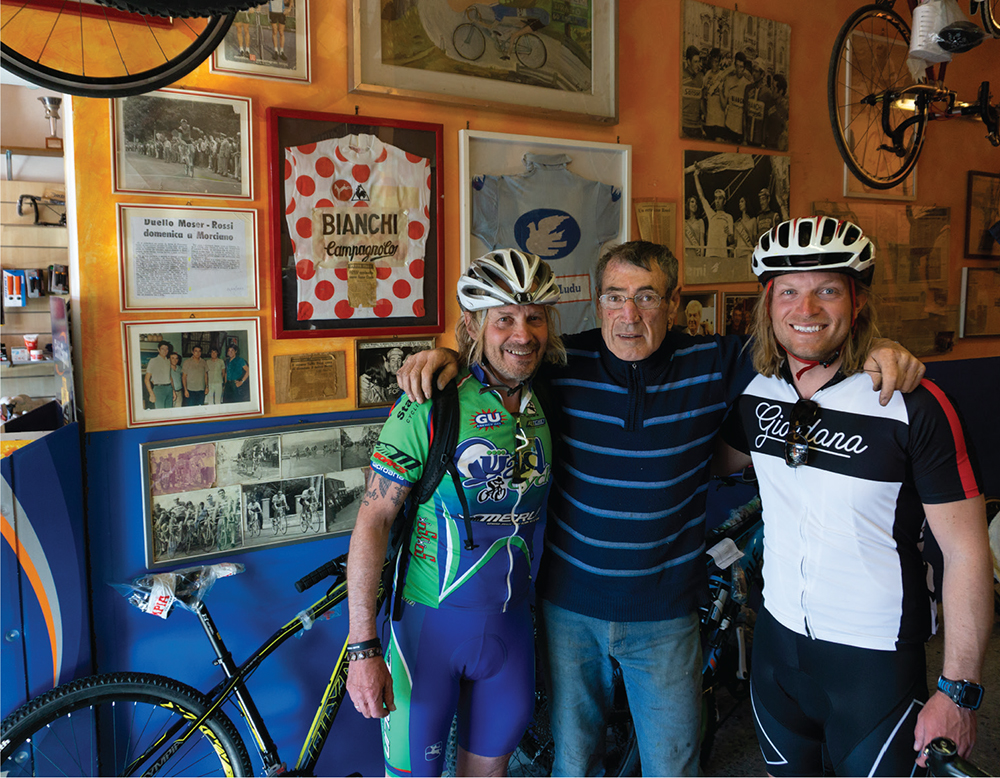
x: 525, y: 460
x: 804, y: 413
x: 644, y: 300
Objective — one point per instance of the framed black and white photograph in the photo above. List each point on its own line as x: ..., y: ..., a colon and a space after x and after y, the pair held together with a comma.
x: 696, y: 314
x: 184, y: 258
x: 173, y: 142
x: 737, y: 311
x: 563, y: 200
x: 545, y: 59
x: 234, y: 492
x: 270, y: 40
x: 377, y: 362
x: 357, y: 225
x: 730, y: 200
x: 192, y: 370
x: 980, y: 314
x: 734, y: 77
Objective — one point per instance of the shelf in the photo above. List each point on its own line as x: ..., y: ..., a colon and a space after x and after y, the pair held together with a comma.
x: 28, y: 151
x: 28, y: 369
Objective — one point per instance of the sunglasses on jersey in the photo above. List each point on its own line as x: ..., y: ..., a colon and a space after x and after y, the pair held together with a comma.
x: 804, y: 414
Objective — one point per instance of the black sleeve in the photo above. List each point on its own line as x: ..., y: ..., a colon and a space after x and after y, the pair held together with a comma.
x: 733, y: 432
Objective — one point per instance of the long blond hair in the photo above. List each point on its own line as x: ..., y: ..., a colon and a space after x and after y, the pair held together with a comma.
x: 470, y: 349
x: 768, y: 355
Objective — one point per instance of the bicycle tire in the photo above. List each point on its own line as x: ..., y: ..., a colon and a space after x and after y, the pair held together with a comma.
x: 44, y: 735
x: 54, y: 47
x: 852, y: 94
x: 527, y: 49
x: 990, y: 11
x: 469, y: 41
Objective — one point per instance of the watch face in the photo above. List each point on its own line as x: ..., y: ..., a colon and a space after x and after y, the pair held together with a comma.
x: 970, y: 696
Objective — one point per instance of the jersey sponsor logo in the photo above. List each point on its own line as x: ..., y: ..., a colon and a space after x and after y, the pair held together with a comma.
x: 393, y: 457
x: 484, y: 420
x: 573, y: 288
x: 342, y: 190
x: 425, y: 539
x: 547, y: 232
x: 489, y: 469
x: 774, y: 426
x: 432, y: 752
x: 504, y: 518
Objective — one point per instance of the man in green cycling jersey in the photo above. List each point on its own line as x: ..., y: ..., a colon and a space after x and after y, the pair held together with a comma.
x: 462, y: 640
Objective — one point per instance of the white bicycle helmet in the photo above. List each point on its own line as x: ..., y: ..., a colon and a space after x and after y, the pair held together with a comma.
x: 507, y: 277
x: 815, y: 243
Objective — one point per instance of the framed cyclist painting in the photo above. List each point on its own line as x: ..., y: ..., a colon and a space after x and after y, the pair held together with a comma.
x: 982, y: 216
x: 270, y: 40
x: 234, y: 492
x: 357, y: 226
x: 559, y: 59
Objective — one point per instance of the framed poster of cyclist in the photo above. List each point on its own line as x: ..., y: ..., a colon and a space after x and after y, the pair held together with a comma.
x: 559, y: 59
x: 357, y: 230
x: 982, y: 216
x: 267, y: 43
x: 229, y: 493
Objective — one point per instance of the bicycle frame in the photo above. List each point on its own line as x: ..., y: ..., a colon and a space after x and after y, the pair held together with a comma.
x: 234, y: 686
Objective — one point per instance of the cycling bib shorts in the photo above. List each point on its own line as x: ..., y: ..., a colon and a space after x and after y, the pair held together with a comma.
x: 443, y: 660
x: 815, y: 701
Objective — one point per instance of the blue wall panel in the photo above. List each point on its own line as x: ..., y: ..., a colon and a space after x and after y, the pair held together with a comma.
x: 247, y: 608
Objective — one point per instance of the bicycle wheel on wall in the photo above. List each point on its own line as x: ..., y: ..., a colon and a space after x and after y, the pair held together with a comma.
x: 103, y: 724
x: 990, y: 9
x: 867, y: 75
x: 93, y: 51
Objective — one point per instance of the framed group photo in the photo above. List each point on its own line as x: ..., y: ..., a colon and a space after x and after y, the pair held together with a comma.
x: 559, y: 199
x: 358, y: 225
x: 192, y: 370
x: 173, y: 142
x: 730, y: 200
x: 229, y: 493
x: 559, y: 59
x: 267, y: 43
x: 377, y: 363
x: 176, y: 258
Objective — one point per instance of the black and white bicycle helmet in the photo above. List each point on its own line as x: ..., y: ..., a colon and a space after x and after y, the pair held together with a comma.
x: 507, y: 277
x: 815, y: 243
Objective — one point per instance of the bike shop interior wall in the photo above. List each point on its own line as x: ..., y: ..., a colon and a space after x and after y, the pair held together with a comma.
x: 248, y: 606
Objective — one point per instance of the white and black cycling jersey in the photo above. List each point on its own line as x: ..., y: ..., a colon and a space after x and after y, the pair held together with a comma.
x: 842, y: 559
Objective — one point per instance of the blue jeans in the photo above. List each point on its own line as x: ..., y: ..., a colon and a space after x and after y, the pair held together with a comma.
x: 661, y: 666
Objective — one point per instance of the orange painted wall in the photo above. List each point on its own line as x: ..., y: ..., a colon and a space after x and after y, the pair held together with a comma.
x: 649, y: 79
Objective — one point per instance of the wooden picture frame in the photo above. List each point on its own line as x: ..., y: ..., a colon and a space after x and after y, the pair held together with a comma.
x: 251, y: 51
x: 376, y: 363
x: 979, y: 314
x: 348, y: 256
x: 566, y: 231
x: 561, y: 62
x: 183, y: 143
x: 178, y: 259
x: 703, y: 307
x: 737, y: 313
x: 214, y: 495
x: 157, y: 401
x: 982, y: 211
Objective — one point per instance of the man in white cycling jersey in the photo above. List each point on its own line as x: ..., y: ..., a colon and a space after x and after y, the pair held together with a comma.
x: 849, y: 488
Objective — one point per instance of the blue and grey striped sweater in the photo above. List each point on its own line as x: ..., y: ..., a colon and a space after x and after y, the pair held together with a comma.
x: 626, y: 521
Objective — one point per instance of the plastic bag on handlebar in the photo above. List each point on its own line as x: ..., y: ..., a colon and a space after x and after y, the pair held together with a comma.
x: 158, y: 593
x: 929, y: 19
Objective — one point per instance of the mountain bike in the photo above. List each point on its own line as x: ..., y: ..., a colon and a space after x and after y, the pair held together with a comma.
x: 142, y: 724
x: 470, y: 39
x: 878, y: 111
x: 116, y: 49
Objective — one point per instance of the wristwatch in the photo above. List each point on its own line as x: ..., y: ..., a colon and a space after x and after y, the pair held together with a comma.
x: 965, y: 694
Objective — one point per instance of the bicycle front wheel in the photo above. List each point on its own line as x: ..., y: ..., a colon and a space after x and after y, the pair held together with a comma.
x: 867, y: 76
x: 123, y: 723
x: 470, y: 43
x: 530, y: 51
x: 93, y: 51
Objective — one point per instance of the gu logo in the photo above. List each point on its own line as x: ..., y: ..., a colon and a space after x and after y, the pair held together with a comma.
x: 486, y: 419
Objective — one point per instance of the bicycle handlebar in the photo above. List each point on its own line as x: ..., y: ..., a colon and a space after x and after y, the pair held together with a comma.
x: 943, y: 759
x: 336, y: 566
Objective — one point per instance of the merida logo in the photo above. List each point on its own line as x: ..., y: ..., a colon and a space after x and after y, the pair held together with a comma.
x: 772, y: 423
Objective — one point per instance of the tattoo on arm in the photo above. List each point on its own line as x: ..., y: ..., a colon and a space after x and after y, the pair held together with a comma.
x: 381, y: 487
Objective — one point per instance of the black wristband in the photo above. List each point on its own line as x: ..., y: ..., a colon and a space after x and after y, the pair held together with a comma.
x: 367, y: 653
x: 364, y: 644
